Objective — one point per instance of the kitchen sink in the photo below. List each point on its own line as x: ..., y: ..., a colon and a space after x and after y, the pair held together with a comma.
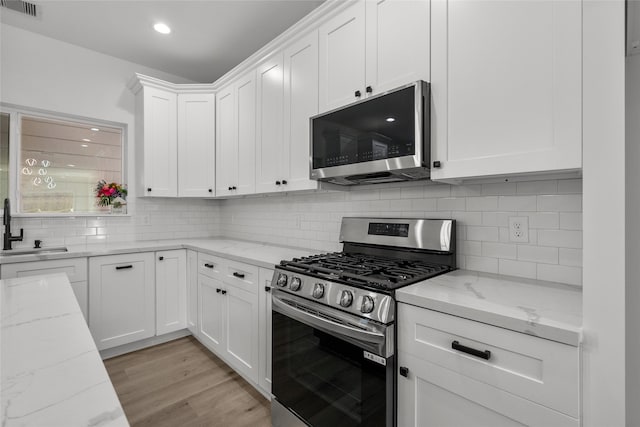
x: 34, y: 251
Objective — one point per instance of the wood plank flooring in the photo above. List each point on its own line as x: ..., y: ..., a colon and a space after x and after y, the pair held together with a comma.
x: 181, y: 383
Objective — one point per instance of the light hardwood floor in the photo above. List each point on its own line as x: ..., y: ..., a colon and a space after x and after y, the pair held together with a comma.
x: 181, y: 383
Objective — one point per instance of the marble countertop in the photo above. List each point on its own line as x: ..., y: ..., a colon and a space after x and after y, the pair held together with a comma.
x: 544, y: 309
x: 52, y: 373
x: 260, y: 254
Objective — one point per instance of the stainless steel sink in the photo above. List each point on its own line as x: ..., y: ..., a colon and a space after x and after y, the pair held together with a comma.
x: 34, y: 251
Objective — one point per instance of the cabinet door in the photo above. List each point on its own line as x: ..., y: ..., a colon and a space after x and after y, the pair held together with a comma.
x: 241, y: 335
x: 397, y: 43
x: 196, y: 145
x: 264, y: 302
x: 160, y: 143
x: 212, y: 313
x: 269, y: 174
x: 342, y: 57
x: 192, y: 292
x: 506, y: 87
x: 226, y: 145
x: 171, y: 291
x: 246, y: 132
x: 121, y: 299
x: 300, y: 103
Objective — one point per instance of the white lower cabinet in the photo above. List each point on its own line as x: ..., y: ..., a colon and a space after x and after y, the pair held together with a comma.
x: 525, y: 381
x: 122, y: 298
x: 228, y: 308
x: 74, y: 268
x: 264, y: 302
x: 171, y: 291
x: 192, y: 292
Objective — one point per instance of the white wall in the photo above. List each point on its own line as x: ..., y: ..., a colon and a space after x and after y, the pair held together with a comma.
x: 633, y: 238
x: 43, y: 73
x: 603, y: 144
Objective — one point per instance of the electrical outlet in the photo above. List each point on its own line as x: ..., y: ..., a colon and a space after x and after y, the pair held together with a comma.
x: 519, y: 229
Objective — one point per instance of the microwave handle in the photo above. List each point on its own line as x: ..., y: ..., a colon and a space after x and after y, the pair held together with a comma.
x: 364, y: 338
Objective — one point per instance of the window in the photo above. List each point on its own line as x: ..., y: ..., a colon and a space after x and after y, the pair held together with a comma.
x: 59, y: 163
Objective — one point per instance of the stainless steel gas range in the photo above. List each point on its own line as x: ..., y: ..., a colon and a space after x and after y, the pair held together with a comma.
x: 334, y: 321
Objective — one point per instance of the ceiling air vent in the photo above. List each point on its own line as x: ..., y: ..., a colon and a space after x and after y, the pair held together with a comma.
x: 20, y: 6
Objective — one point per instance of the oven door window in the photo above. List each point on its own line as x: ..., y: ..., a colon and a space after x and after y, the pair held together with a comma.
x: 327, y: 381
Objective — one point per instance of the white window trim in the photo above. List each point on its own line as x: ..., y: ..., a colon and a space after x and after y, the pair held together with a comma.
x: 15, y: 114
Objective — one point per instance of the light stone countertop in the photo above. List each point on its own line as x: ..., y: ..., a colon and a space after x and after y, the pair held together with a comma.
x: 259, y: 254
x: 52, y: 373
x: 544, y: 309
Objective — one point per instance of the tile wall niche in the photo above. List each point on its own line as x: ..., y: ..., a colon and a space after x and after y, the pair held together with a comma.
x: 482, y: 211
x: 152, y: 219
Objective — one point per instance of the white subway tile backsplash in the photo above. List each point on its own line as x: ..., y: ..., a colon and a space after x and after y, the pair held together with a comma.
x: 467, y: 218
x: 571, y: 220
x: 485, y: 234
x: 517, y: 203
x: 538, y: 254
x: 560, y: 273
x: 499, y: 250
x: 517, y: 268
x: 487, y: 265
x: 466, y: 190
x: 496, y: 219
x: 537, y: 187
x: 571, y: 257
x: 543, y: 219
x: 560, y: 203
x: 560, y: 238
x: 468, y: 247
x: 499, y: 189
x: 437, y: 190
x: 568, y: 186
x: 424, y: 204
x: 488, y: 203
x: 451, y: 204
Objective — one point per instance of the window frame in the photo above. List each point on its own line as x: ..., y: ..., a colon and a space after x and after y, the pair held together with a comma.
x: 15, y: 147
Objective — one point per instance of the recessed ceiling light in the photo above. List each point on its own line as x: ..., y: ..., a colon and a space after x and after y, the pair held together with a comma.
x: 84, y: 145
x: 162, y: 28
x: 390, y: 119
x: 86, y: 139
x: 95, y: 129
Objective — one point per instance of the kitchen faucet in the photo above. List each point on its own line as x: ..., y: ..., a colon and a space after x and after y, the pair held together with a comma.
x: 8, y: 238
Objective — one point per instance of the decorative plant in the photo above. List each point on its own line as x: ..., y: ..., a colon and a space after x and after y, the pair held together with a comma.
x: 112, y: 193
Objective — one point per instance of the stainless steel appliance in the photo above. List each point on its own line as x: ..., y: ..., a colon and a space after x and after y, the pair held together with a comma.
x: 334, y: 321
x: 384, y: 138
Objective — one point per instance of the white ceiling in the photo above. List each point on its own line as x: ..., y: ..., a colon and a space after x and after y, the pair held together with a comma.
x: 208, y: 38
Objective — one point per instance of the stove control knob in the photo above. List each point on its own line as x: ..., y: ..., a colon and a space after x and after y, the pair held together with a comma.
x: 346, y: 298
x: 367, y: 304
x: 318, y: 290
x: 296, y: 283
x: 282, y: 280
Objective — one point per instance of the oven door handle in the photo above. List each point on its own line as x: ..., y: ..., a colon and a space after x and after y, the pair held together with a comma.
x: 368, y: 339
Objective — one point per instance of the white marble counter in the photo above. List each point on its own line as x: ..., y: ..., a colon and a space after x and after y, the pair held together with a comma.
x: 544, y: 309
x: 52, y: 373
x: 260, y: 254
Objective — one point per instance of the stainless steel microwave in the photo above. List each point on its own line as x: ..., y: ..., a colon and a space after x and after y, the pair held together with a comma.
x: 384, y: 138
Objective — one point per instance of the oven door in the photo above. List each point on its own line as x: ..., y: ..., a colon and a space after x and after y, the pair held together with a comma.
x: 331, y: 368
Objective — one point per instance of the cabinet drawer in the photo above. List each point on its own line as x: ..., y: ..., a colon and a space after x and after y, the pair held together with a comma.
x: 211, y: 265
x: 75, y: 268
x: 540, y: 370
x: 244, y: 276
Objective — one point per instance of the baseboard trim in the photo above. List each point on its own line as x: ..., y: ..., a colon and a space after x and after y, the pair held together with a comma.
x: 139, y: 345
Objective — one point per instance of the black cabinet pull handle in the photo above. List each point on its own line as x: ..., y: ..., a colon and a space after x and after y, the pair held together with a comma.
x: 209, y: 265
x: 404, y: 371
x: 224, y: 292
x: 358, y: 94
x: 218, y: 290
x: 230, y: 188
x: 211, y: 190
x: 369, y: 89
x: 234, y: 188
x: 277, y: 182
x: 284, y: 181
x: 149, y: 189
x: 238, y: 275
x: 123, y: 267
x: 472, y: 351
x: 437, y: 164
x: 161, y: 258
x: 267, y: 288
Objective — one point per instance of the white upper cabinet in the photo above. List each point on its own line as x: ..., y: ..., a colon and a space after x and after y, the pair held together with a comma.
x: 287, y: 98
x: 236, y: 137
x: 397, y: 43
x: 371, y: 47
x: 300, y: 103
x: 269, y: 139
x: 196, y: 148
x: 506, y: 87
x: 342, y: 57
x: 160, y: 143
